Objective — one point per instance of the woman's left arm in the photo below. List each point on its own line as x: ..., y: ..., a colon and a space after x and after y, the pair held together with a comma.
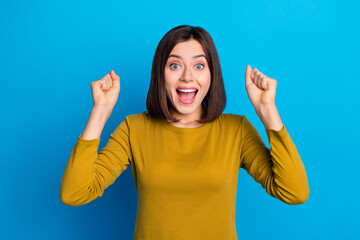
x: 279, y: 170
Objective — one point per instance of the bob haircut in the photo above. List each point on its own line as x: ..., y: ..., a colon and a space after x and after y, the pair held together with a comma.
x: 214, y: 102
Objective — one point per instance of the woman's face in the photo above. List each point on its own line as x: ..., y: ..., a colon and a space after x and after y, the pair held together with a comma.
x: 187, y: 79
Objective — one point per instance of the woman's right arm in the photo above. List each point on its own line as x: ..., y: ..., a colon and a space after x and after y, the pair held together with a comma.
x: 89, y: 172
x: 105, y: 93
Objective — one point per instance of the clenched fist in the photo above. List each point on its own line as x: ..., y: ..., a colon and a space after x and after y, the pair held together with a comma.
x: 105, y: 91
x: 260, y: 88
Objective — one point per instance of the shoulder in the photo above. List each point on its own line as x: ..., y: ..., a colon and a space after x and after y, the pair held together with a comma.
x: 137, y: 117
x: 131, y: 122
x: 237, y: 122
x: 138, y: 120
x: 231, y: 122
x: 232, y: 119
x: 238, y: 119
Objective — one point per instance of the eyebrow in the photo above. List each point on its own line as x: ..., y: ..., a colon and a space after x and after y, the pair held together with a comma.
x: 196, y: 56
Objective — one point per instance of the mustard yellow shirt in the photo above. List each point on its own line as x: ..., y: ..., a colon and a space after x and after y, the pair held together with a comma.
x: 186, y: 178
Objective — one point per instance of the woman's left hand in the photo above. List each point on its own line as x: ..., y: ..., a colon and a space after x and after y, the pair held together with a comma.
x: 261, y: 91
x: 260, y: 88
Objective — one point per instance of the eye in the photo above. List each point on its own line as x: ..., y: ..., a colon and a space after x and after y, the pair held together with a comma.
x: 174, y: 66
x: 199, y: 66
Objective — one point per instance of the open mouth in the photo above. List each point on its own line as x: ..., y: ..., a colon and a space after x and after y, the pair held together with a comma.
x: 187, y: 95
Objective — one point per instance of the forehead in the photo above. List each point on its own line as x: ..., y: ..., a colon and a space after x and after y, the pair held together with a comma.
x: 190, y: 47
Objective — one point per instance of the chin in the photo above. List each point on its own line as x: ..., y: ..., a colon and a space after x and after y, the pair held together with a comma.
x: 185, y: 111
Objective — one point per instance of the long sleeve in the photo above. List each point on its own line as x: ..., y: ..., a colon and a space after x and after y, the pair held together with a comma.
x: 279, y: 169
x: 88, y: 172
x: 186, y: 178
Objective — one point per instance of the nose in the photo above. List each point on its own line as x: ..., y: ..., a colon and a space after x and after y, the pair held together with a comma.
x: 187, y: 75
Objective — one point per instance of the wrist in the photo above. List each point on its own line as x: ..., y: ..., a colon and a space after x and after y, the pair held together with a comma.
x: 102, y: 113
x: 270, y: 117
x: 102, y: 108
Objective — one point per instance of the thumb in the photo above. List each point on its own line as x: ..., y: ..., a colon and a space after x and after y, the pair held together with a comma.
x: 272, y: 86
x: 115, y: 79
x: 248, y: 75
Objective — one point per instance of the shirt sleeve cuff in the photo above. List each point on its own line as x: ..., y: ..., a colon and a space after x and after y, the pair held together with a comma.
x: 90, y: 142
x: 281, y: 133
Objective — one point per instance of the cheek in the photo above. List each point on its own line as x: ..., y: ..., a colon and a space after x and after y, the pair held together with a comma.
x: 168, y: 87
x: 167, y: 81
x: 205, y: 81
x: 170, y: 80
x: 168, y: 91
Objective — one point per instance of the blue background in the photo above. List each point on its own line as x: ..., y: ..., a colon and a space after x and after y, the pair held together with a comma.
x: 51, y: 52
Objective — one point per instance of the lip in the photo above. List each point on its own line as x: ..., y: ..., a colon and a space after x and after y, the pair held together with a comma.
x: 189, y: 101
x: 186, y: 87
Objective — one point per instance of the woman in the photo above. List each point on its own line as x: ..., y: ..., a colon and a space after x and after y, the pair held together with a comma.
x: 185, y: 154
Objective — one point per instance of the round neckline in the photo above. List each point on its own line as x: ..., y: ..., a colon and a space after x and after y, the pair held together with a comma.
x: 175, y: 129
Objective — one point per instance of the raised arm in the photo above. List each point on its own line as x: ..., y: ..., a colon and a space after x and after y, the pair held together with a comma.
x: 88, y: 172
x: 279, y: 169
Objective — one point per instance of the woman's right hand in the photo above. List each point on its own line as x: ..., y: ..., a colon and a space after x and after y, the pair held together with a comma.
x: 105, y: 91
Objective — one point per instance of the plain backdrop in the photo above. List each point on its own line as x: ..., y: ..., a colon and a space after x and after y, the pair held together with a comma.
x: 50, y: 52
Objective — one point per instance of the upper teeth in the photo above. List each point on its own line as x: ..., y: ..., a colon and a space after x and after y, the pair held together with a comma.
x: 187, y: 90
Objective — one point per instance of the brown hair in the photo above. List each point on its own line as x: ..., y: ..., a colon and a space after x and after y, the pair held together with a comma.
x: 157, y: 102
